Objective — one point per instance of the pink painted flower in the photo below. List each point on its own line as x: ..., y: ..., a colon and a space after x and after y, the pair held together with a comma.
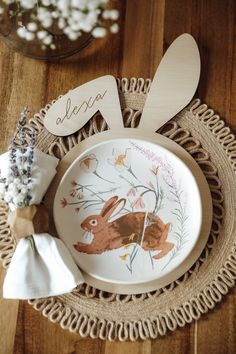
x: 138, y: 203
x: 74, y: 183
x: 64, y: 202
x: 154, y: 170
x: 73, y: 193
x: 77, y: 210
x: 151, y: 185
x: 131, y: 192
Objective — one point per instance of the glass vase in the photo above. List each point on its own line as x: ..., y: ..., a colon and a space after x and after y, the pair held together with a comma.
x: 64, y: 47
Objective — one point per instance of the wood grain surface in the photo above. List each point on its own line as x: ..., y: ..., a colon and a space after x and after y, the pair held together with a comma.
x: 147, y: 29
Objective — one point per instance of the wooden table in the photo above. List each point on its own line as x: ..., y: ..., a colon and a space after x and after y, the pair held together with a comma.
x: 147, y: 28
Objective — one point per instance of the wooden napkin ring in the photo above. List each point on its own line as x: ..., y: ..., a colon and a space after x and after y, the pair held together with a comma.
x: 29, y: 220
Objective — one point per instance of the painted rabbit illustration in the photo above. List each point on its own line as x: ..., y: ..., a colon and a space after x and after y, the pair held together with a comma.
x: 146, y: 229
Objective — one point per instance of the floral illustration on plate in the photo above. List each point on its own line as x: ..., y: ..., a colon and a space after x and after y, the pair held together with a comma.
x: 89, y: 164
x: 130, y: 222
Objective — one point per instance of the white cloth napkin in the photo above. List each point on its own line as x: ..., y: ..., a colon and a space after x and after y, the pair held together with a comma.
x: 49, y: 270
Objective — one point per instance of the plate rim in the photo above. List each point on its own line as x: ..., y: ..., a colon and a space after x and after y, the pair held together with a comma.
x: 168, y: 152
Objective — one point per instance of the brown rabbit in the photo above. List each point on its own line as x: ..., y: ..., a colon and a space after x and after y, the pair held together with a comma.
x: 124, y: 230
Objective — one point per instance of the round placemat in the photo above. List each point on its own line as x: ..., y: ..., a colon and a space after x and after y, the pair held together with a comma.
x: 104, y: 315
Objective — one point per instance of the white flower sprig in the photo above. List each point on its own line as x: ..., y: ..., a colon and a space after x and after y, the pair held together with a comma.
x: 72, y: 17
x: 16, y: 184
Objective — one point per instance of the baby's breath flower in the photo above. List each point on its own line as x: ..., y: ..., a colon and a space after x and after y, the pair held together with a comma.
x: 80, y: 4
x: 28, y: 4
x: 61, y: 23
x: 17, y: 181
x: 76, y: 15
x: 29, y: 36
x: 8, y: 197
x: 9, y: 177
x: 13, y: 188
x: 55, y: 14
x: 24, y: 190
x: 114, y: 15
x: 21, y: 31
x: 73, y: 36
x: 41, y: 34
x: 18, y: 199
x: 47, y: 40
x: 114, y: 28
x: 47, y: 22
x: 32, y: 26
x: 99, y: 32
x: 110, y: 15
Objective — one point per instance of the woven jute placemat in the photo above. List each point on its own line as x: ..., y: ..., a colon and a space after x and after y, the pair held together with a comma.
x: 104, y: 315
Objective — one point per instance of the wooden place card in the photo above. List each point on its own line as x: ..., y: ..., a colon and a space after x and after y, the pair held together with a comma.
x: 72, y: 111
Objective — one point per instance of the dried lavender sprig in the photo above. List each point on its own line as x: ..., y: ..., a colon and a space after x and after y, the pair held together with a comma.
x: 19, y: 137
x: 33, y: 137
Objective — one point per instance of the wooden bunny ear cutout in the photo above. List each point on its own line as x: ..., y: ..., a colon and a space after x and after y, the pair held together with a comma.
x: 72, y: 111
x: 115, y: 206
x: 174, y: 83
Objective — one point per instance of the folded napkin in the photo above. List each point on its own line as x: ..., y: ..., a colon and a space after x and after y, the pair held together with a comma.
x: 41, y: 265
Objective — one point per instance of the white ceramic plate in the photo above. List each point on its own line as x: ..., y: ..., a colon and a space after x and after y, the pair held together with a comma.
x: 129, y: 211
